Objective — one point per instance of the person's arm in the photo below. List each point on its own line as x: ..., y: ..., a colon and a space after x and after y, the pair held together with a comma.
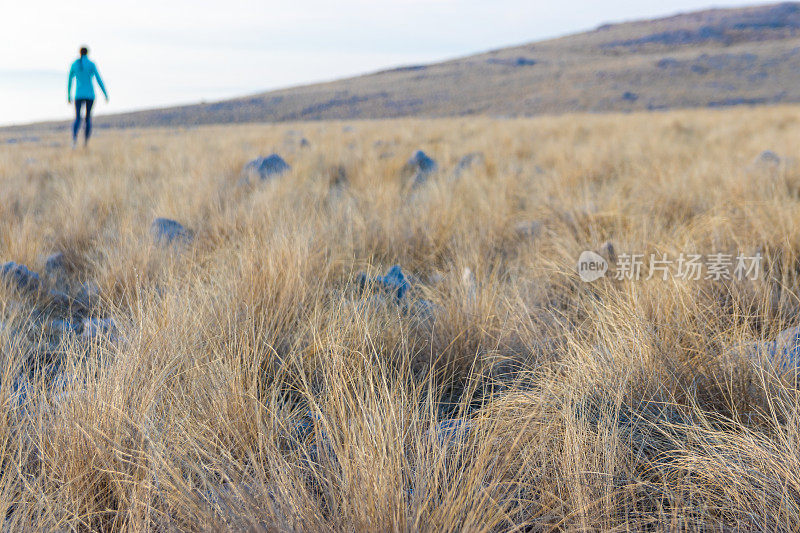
x: 69, y: 82
x: 100, y: 81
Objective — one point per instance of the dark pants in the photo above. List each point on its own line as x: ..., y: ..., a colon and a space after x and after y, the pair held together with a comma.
x: 79, y: 102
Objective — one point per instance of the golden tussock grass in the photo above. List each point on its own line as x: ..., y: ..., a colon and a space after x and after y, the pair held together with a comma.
x: 251, y: 385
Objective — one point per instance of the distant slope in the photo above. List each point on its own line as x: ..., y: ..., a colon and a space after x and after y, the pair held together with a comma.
x: 709, y: 58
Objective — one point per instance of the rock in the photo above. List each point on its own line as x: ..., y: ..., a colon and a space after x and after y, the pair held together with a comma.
x: 767, y: 159
x: 423, y: 311
x: 629, y: 96
x: 20, y: 276
x: 421, y: 166
x: 88, y: 295
x: 470, y: 285
x: 65, y: 386
x: 65, y: 327
x: 55, y: 264
x: 784, y: 351
x: 337, y: 176
x: 21, y: 392
x: 608, y: 252
x: 58, y: 270
x: 435, y: 278
x: 167, y: 231
x: 96, y: 327
x: 304, y: 143
x: 420, y: 161
x: 395, y: 287
x: 267, y: 167
x: 394, y: 282
x: 467, y: 162
x: 452, y: 431
x: 470, y: 160
x: 528, y: 230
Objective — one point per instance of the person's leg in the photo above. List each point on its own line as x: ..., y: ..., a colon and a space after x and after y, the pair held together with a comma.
x: 89, y: 104
x: 76, y: 126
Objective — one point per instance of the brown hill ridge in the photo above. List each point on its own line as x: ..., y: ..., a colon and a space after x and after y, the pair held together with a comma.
x: 710, y: 58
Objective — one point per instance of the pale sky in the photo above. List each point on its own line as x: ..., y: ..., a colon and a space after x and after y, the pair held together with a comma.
x: 162, y: 52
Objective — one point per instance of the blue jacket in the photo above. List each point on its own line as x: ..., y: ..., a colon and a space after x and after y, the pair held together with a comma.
x: 83, y: 71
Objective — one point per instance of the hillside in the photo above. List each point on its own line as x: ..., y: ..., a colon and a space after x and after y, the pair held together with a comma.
x: 711, y: 58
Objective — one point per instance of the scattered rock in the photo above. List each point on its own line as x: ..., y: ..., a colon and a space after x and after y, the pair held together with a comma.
x: 65, y: 327
x: 467, y: 162
x: 88, y: 295
x: 783, y: 352
x: 21, y: 392
x: 435, y: 278
x: 98, y: 327
x: 167, y: 231
x: 470, y: 160
x: 65, y: 386
x: 452, y: 431
x: 421, y: 166
x: 767, y: 159
x: 55, y: 264
x: 512, y: 62
x: 608, y: 252
x: 267, y: 167
x: 337, y: 176
x: 395, y: 287
x: 469, y: 282
x: 420, y: 161
x: 422, y: 310
x: 394, y: 282
x: 528, y: 230
x: 21, y: 277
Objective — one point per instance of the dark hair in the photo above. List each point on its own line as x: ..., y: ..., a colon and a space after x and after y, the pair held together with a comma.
x: 84, y: 50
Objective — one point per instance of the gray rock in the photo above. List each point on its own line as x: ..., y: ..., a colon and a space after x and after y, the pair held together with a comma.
x: 784, y: 351
x: 421, y: 166
x: 65, y: 386
x: 528, y: 230
x: 167, y: 231
x: 21, y: 391
x: 767, y: 159
x: 20, y: 276
x: 452, y: 431
x: 55, y: 264
x: 65, y: 327
x: 88, y: 295
x: 469, y: 282
x: 468, y: 161
x: 423, y: 311
x: 97, y: 327
x: 57, y: 271
x: 608, y: 252
x: 337, y: 176
x: 394, y: 282
x: 420, y: 161
x: 267, y: 167
x: 435, y: 278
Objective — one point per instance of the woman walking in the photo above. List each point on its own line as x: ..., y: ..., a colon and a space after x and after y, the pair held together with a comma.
x: 83, y: 71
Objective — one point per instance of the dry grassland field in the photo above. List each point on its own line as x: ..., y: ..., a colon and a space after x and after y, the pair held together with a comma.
x: 264, y: 369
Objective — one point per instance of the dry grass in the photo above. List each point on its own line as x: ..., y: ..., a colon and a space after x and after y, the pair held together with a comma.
x: 250, y: 386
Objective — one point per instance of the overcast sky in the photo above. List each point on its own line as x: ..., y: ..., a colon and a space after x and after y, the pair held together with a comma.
x: 161, y: 52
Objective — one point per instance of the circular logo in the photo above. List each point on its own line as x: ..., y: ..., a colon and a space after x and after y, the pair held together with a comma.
x: 591, y: 266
